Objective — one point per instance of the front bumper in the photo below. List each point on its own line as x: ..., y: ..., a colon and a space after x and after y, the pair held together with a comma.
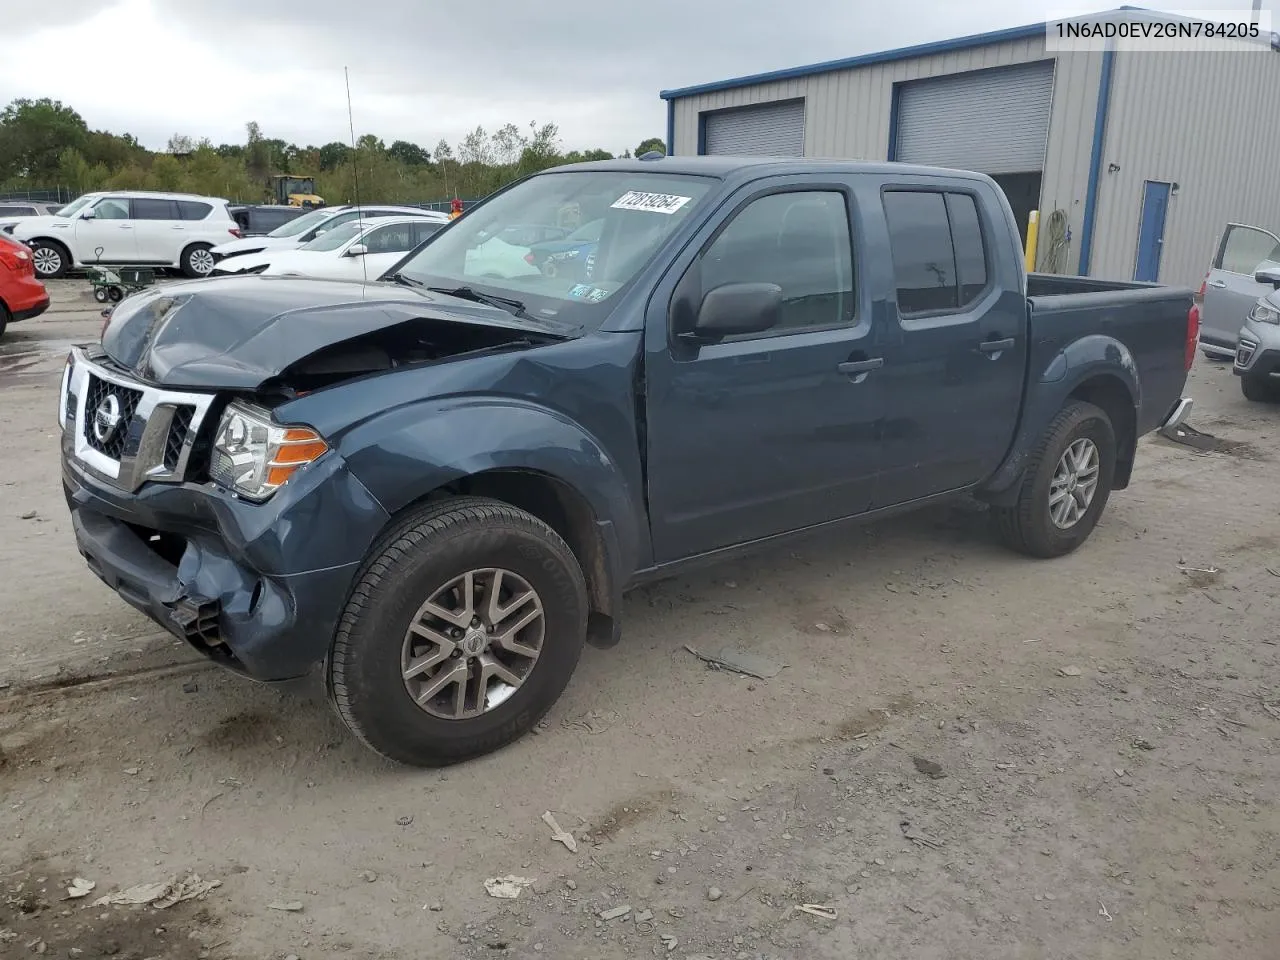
x: 1255, y: 359
x: 256, y: 587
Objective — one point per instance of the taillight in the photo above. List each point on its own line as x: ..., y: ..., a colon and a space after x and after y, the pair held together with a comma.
x: 1193, y: 337
x: 235, y: 232
x: 16, y: 260
x: 528, y: 258
x: 1198, y: 296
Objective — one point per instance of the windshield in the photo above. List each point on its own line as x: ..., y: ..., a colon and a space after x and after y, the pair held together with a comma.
x: 623, y: 218
x: 302, y: 224
x: 333, y: 239
x: 75, y: 206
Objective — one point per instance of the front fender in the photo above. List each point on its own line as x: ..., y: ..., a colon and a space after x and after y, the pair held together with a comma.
x: 408, y: 452
x: 1065, y: 372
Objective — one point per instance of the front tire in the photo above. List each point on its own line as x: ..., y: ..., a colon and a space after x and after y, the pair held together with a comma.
x: 50, y: 259
x: 1256, y: 391
x: 1065, y: 486
x: 460, y: 633
x: 4, y: 319
x: 197, y: 261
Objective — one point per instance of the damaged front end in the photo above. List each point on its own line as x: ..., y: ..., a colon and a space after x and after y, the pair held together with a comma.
x: 234, y: 530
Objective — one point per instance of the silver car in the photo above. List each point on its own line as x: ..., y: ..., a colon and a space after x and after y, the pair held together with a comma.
x: 1231, y: 289
x: 1257, y: 357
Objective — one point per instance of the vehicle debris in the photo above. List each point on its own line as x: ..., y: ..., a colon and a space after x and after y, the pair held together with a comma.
x: 1104, y: 912
x: 292, y: 906
x: 818, y: 910
x: 1070, y: 671
x: 669, y: 942
x: 919, y: 839
x: 559, y: 835
x: 615, y: 913
x: 508, y: 887
x: 161, y: 894
x: 80, y: 887
x: 736, y: 661
x: 929, y: 768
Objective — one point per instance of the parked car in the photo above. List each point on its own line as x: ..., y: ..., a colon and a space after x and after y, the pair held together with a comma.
x: 11, y: 211
x: 312, y: 224
x: 440, y: 487
x: 22, y: 295
x: 1230, y: 291
x: 1257, y: 356
x: 255, y: 220
x: 129, y: 228
x: 570, y: 256
x: 355, y: 250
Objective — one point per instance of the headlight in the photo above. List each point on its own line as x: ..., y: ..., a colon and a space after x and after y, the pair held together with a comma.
x: 1263, y: 312
x: 253, y: 456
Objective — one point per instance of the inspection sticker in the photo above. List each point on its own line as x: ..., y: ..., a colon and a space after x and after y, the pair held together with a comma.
x: 649, y: 202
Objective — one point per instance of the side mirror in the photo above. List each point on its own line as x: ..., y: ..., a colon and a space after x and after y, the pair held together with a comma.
x: 89, y: 214
x: 738, y: 308
x: 357, y: 250
x: 1268, y: 275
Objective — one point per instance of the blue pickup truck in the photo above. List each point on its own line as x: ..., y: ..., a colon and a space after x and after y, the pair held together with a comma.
x: 438, y: 486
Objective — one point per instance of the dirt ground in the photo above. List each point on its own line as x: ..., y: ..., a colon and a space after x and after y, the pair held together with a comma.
x: 968, y: 754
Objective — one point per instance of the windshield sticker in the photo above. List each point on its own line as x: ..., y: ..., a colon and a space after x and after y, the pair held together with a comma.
x: 584, y: 291
x: 649, y: 202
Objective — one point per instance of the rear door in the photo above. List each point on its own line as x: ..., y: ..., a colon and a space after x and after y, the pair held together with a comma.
x: 1230, y: 290
x: 955, y: 361
x: 768, y: 432
x: 158, y: 228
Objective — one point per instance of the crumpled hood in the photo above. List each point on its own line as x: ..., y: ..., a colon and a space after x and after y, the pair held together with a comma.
x: 235, y: 333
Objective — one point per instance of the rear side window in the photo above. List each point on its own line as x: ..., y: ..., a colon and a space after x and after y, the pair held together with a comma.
x: 1244, y: 249
x: 938, y: 248
x: 149, y: 209
x: 193, y: 209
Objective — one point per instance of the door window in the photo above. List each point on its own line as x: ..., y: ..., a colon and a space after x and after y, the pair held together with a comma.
x: 145, y: 208
x: 1244, y: 249
x: 393, y: 238
x: 423, y: 229
x: 799, y: 241
x: 938, y: 248
x: 112, y: 208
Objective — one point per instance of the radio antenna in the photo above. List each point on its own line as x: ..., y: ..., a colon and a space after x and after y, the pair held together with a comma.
x: 355, y: 171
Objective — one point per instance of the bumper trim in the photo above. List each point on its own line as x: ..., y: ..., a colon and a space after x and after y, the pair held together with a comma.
x: 30, y: 313
x: 1178, y: 415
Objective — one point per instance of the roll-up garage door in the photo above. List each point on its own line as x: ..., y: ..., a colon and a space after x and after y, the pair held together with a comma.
x: 767, y: 130
x: 991, y: 121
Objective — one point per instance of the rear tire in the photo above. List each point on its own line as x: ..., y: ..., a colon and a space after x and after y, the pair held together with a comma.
x: 1028, y: 525
x: 1257, y: 391
x: 197, y: 261
x: 423, y: 563
x: 50, y: 259
x: 4, y: 318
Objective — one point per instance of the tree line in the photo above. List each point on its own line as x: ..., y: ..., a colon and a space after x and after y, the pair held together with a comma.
x: 45, y: 144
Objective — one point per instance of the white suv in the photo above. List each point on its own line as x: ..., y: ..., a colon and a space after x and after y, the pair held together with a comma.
x: 128, y: 227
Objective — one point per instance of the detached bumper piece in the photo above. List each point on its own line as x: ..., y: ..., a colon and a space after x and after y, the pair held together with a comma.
x: 1178, y: 414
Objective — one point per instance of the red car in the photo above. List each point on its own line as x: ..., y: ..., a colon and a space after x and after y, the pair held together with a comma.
x: 22, y: 296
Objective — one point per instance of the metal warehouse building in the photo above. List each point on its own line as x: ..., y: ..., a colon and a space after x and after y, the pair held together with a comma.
x: 1146, y: 155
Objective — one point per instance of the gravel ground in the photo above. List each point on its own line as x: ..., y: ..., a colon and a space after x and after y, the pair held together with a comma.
x: 967, y: 754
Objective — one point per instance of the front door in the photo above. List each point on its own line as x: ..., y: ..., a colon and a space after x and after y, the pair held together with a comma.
x: 953, y: 377
x: 767, y: 432
x: 1155, y: 208
x: 108, y: 237
x: 1230, y: 290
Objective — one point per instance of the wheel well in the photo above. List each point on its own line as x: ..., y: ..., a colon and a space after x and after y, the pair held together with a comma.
x: 566, y: 512
x: 1114, y: 398
x: 50, y: 242
x: 196, y: 243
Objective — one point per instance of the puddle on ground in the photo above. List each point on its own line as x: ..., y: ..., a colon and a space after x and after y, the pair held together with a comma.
x: 31, y: 357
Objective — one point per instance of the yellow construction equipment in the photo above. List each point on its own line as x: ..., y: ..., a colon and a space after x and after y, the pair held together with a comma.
x: 295, y: 191
x: 1033, y: 239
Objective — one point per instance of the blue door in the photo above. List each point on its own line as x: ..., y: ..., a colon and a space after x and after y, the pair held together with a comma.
x: 1155, y: 206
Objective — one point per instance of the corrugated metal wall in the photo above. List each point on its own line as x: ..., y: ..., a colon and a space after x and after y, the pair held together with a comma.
x: 1205, y: 121
x: 847, y: 113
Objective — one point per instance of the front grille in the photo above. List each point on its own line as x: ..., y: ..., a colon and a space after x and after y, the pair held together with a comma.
x: 96, y: 411
x: 178, y: 430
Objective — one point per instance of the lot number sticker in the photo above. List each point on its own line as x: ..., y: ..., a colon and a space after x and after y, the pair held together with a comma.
x: 650, y: 202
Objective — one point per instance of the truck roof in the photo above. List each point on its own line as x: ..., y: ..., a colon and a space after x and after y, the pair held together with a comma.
x: 725, y: 167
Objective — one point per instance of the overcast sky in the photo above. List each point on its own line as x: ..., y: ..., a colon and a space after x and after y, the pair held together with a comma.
x: 426, y: 69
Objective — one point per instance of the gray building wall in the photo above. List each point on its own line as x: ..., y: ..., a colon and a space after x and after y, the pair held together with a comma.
x: 1201, y: 120
x: 1205, y: 121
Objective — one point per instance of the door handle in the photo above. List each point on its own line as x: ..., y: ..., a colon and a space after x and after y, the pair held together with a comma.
x: 860, y: 366
x: 995, y: 346
x: 1217, y: 283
